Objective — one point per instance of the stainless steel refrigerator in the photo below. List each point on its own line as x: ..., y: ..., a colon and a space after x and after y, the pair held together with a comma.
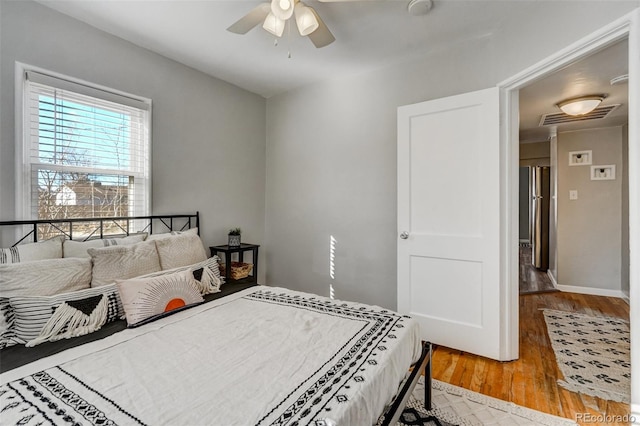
x: 540, y: 191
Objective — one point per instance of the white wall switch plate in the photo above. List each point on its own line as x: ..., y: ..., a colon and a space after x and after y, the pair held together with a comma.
x: 573, y: 194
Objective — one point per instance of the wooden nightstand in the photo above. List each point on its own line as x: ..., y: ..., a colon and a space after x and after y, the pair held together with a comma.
x: 228, y: 251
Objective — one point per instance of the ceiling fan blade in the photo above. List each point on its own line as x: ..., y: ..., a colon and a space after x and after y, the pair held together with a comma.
x: 322, y: 36
x: 251, y: 19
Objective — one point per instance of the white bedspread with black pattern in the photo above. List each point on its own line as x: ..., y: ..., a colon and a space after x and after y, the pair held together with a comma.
x: 263, y: 356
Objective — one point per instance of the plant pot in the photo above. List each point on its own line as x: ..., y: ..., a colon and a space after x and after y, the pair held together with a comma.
x: 234, y: 240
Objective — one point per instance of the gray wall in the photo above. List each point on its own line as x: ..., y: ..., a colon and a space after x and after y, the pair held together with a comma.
x: 331, y: 150
x: 331, y: 147
x: 590, y: 228
x: 208, y: 135
x: 534, y: 154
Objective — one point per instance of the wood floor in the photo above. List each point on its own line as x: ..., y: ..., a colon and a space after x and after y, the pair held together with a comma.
x: 532, y: 280
x: 531, y: 380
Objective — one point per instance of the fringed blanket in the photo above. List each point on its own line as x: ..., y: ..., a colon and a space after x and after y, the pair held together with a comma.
x: 263, y: 356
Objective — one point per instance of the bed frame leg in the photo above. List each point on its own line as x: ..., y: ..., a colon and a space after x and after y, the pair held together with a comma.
x: 427, y: 386
x: 427, y: 379
x: 398, y: 404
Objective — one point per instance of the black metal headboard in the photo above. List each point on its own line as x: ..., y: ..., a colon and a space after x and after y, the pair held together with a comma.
x: 95, y: 227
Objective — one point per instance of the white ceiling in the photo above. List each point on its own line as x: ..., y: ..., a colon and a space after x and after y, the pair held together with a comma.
x: 589, y: 76
x: 369, y: 34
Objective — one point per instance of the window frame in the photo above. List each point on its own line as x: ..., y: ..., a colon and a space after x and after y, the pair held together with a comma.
x: 24, y: 208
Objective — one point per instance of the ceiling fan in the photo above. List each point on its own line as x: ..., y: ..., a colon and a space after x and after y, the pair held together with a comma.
x: 274, y: 15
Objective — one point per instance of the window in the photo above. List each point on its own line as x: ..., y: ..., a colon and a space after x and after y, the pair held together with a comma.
x: 85, y: 150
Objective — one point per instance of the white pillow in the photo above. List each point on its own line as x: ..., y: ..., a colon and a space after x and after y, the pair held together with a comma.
x: 122, y: 262
x: 45, y: 277
x: 164, y: 235
x: 72, y: 248
x: 145, y: 299
x: 180, y: 250
x: 48, y: 249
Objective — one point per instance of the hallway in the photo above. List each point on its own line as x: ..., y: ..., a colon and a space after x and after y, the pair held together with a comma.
x: 532, y: 280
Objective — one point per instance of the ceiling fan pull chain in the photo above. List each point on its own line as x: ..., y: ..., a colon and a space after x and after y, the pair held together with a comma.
x: 289, y: 39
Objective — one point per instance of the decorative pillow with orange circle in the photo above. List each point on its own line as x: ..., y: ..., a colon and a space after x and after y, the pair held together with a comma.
x: 147, y: 299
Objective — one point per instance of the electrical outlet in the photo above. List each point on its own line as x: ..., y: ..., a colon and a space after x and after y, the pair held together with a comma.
x: 573, y: 194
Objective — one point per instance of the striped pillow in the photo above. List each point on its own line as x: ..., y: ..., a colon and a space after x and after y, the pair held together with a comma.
x: 33, y: 312
x: 48, y: 249
x: 8, y: 335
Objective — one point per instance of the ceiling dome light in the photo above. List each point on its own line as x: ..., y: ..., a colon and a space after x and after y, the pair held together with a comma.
x: 282, y: 9
x: 305, y: 19
x: 274, y: 25
x: 581, y: 105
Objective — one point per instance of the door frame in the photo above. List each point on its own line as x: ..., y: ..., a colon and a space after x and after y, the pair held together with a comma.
x: 627, y: 26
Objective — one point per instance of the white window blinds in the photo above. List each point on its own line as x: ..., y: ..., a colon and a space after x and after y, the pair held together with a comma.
x: 86, y: 150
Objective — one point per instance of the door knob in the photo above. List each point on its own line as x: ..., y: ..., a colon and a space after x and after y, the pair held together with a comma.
x: 404, y: 235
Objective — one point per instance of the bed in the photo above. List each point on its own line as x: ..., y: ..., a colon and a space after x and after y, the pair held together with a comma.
x: 246, y: 354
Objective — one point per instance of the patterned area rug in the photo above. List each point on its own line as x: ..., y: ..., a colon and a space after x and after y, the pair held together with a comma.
x: 453, y: 405
x: 593, y: 353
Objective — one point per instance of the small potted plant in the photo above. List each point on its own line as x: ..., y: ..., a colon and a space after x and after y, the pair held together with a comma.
x: 234, y: 237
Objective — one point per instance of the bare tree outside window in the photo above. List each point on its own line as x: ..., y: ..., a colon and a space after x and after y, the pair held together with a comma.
x: 84, y: 157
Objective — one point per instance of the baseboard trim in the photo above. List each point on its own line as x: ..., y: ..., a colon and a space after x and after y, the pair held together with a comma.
x: 591, y: 290
x: 552, y: 278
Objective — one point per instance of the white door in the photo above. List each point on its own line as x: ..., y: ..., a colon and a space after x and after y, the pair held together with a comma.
x: 448, y: 220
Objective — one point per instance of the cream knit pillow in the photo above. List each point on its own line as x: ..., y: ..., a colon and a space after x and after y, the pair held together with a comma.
x: 72, y: 248
x: 45, y: 277
x: 122, y: 262
x: 180, y: 250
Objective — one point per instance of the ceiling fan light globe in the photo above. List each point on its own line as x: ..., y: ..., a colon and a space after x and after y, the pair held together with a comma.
x: 274, y: 25
x: 305, y: 20
x: 285, y: 4
x: 281, y: 12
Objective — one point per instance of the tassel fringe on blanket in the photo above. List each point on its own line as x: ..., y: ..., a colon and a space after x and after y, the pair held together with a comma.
x: 209, y: 283
x: 67, y: 322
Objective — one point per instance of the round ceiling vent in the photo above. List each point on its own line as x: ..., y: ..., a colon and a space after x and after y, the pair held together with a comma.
x: 419, y: 7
